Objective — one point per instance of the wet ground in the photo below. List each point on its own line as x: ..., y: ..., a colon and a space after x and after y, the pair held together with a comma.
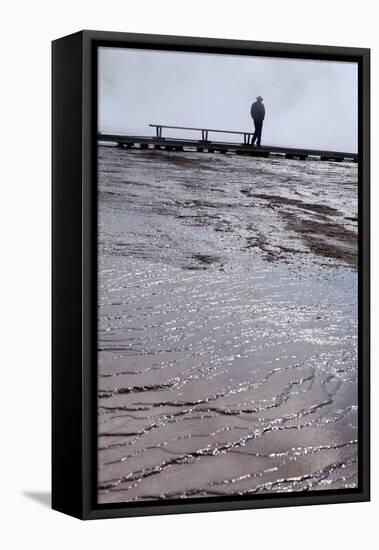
x: 227, y: 325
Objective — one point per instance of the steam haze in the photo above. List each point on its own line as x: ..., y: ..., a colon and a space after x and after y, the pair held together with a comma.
x: 310, y: 104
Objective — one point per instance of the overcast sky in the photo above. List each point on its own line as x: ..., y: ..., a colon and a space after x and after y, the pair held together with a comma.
x: 310, y: 104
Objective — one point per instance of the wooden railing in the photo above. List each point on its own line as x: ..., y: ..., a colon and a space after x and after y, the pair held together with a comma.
x: 204, y: 132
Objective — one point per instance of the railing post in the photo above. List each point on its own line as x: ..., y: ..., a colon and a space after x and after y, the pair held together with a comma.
x: 204, y: 135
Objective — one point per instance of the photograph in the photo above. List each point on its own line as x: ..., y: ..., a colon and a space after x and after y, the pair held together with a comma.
x: 227, y: 275
x: 187, y: 256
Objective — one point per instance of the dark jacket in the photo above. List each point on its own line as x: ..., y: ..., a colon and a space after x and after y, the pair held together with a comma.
x: 257, y: 110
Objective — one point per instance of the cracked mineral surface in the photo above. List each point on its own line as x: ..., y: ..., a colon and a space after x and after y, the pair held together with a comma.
x: 227, y: 325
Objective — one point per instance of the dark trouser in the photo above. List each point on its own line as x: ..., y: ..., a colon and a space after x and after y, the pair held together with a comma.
x: 258, y: 123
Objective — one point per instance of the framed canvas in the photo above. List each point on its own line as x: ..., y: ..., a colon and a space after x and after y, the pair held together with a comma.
x: 210, y: 275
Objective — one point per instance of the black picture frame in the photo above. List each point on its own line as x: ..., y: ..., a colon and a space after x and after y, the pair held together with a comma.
x: 74, y: 272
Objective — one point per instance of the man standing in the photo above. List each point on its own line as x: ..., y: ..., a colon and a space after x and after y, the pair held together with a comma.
x: 257, y: 112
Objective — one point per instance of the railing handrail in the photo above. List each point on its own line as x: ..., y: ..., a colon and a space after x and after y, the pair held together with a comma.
x: 204, y: 132
x: 199, y: 129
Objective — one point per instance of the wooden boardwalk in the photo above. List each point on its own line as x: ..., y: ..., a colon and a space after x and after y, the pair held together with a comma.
x: 207, y: 146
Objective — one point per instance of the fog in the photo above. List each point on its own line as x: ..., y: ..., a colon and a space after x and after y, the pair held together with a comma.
x: 310, y: 104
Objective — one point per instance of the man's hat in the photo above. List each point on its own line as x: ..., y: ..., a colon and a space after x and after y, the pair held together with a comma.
x: 260, y: 98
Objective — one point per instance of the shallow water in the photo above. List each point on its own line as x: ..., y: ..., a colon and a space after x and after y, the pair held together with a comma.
x: 227, y: 325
